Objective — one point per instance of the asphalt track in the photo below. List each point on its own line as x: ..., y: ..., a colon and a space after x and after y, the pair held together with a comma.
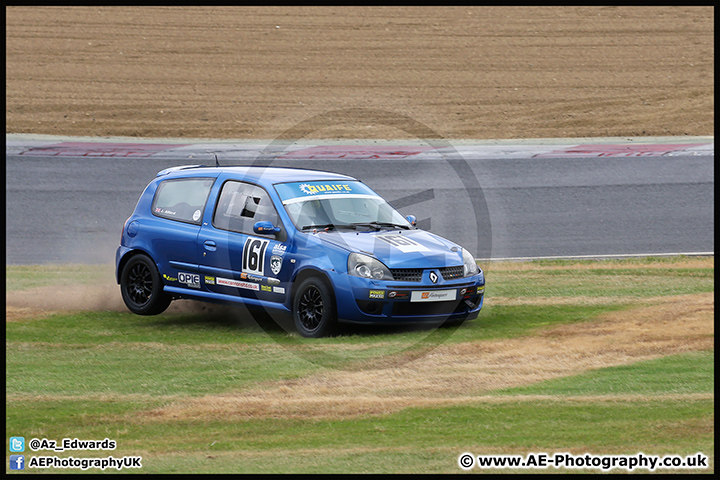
x: 67, y: 199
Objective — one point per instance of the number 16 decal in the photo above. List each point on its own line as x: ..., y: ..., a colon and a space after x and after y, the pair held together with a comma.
x: 254, y: 256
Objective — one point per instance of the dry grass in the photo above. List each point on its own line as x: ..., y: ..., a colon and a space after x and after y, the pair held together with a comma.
x: 675, y: 263
x: 14, y: 313
x: 100, y: 296
x: 466, y: 372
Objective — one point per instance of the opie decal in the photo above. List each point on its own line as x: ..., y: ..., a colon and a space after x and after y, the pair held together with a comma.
x: 192, y: 280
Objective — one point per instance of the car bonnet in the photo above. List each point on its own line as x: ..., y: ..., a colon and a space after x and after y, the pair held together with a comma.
x: 398, y: 248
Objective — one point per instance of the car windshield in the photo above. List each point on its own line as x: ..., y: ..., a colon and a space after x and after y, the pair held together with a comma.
x: 345, y: 212
x: 336, y: 204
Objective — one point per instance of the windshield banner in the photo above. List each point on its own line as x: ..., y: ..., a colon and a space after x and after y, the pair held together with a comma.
x: 300, y: 191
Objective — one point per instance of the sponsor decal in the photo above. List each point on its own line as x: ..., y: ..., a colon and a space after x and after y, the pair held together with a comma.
x: 209, y: 280
x: 227, y: 282
x: 397, y: 294
x: 279, y: 249
x: 378, y: 294
x: 266, y: 288
x: 313, y: 188
x: 196, y: 216
x: 433, y: 296
x: 253, y: 258
x: 321, y: 189
x: 279, y: 290
x: 402, y: 243
x: 469, y: 291
x: 252, y: 278
x: 275, y: 264
x: 169, y: 278
x: 190, y: 279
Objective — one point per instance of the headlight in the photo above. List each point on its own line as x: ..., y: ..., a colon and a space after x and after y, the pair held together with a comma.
x: 367, y: 267
x: 470, y: 267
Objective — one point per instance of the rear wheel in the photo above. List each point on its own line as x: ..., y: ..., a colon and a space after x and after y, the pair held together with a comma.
x: 141, y: 287
x: 314, y: 309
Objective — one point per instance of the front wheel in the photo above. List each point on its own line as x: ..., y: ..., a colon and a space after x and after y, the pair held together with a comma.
x: 314, y: 309
x: 141, y: 287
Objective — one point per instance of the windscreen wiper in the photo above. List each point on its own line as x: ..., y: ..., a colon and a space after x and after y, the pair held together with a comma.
x: 327, y: 226
x: 379, y: 225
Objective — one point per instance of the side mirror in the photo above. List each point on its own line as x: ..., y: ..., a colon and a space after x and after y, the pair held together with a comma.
x: 265, y: 228
x: 412, y: 219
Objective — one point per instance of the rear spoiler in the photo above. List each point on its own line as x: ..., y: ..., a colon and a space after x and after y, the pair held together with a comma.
x: 175, y: 169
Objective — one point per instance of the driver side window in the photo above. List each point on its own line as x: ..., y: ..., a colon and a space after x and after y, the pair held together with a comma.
x: 241, y: 205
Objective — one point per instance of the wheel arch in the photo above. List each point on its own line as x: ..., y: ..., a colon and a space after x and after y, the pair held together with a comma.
x: 126, y: 258
x: 305, y: 274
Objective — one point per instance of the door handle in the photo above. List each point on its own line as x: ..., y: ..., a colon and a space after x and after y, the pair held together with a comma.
x: 210, y: 245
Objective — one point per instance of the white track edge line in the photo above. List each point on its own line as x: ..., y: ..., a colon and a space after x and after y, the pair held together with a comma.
x: 591, y: 257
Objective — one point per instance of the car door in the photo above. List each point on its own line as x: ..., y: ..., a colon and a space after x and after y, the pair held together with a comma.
x: 177, y: 215
x: 235, y: 260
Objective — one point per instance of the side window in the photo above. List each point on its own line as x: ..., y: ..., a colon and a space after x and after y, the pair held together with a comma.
x: 241, y: 205
x: 182, y: 200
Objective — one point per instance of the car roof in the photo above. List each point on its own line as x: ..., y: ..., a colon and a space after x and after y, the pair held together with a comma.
x: 256, y: 174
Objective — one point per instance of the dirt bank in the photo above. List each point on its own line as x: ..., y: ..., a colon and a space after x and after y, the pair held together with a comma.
x: 464, y: 72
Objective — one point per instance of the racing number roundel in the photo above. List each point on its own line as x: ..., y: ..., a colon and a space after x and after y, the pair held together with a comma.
x: 254, y: 256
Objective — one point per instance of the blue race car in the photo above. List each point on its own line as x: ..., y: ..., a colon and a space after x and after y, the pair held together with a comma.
x: 321, y: 246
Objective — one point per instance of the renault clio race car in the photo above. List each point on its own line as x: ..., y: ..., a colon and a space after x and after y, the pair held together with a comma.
x: 321, y: 246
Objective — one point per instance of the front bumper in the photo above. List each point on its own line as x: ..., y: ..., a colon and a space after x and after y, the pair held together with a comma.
x: 367, y: 301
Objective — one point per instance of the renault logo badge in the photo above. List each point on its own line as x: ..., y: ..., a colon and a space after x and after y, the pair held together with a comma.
x: 433, y: 277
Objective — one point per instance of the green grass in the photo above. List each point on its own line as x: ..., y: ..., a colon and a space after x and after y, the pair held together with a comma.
x: 686, y: 373
x: 414, y: 440
x: 191, y: 348
x: 92, y: 375
x: 144, y: 369
x: 595, y: 283
x: 20, y: 277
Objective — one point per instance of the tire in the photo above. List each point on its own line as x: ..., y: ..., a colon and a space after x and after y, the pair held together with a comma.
x: 141, y: 287
x: 314, y: 309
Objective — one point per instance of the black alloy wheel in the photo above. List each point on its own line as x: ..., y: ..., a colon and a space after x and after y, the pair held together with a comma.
x: 141, y: 287
x: 314, y: 309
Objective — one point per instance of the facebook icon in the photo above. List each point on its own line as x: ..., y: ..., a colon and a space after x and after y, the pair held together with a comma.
x: 17, y: 462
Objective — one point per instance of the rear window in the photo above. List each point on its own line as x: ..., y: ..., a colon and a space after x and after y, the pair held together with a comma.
x: 182, y: 200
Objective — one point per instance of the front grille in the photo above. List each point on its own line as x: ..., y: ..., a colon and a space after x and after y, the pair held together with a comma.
x: 409, y: 309
x: 407, y: 274
x: 421, y: 309
x: 451, y: 273
x: 415, y: 274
